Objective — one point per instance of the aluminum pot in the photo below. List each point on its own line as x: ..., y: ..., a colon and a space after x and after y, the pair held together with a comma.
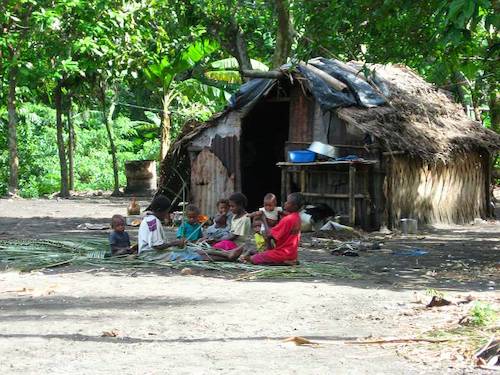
x: 324, y: 149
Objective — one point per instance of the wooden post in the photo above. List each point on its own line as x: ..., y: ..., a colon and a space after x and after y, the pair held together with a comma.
x: 302, y: 180
x: 487, y: 169
x: 352, y: 201
x: 388, y: 198
x: 284, y: 181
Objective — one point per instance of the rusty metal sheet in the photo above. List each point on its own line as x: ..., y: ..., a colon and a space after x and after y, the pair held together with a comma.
x: 210, y: 181
x: 227, y: 150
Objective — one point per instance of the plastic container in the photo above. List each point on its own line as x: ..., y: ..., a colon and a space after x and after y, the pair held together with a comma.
x: 409, y: 226
x: 301, y: 156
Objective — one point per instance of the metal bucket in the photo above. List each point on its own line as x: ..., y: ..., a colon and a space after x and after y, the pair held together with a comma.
x: 409, y: 226
x: 324, y: 149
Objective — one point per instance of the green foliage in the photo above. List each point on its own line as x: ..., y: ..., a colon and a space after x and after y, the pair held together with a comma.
x: 39, y: 165
x: 434, y: 293
x: 482, y: 314
x: 156, y: 54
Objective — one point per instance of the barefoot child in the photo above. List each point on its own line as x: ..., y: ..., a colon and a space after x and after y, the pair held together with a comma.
x: 152, y: 239
x: 119, y: 241
x: 218, y: 230
x: 286, y: 234
x: 190, y: 229
x: 151, y: 234
x: 241, y: 226
x: 259, y: 239
x: 223, y: 209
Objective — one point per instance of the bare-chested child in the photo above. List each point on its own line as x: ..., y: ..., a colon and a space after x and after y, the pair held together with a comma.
x: 270, y: 211
x: 119, y: 241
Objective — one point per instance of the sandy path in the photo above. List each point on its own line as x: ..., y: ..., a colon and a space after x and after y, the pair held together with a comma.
x: 191, y: 325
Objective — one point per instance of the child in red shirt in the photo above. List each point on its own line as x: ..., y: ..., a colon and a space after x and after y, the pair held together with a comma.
x: 286, y: 235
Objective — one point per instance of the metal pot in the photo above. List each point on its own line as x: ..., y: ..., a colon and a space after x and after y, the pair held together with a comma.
x: 324, y: 149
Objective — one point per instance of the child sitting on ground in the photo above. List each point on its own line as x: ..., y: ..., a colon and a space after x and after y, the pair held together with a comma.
x: 190, y: 229
x: 119, y: 241
x: 151, y: 234
x: 286, y: 234
x: 270, y: 211
x: 241, y: 226
x: 223, y: 209
x: 152, y: 239
x: 259, y: 239
x: 218, y: 230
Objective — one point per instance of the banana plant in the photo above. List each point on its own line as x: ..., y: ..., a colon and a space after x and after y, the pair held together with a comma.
x: 227, y: 70
x: 163, y: 73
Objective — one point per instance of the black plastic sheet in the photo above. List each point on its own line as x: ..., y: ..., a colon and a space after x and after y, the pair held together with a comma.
x: 359, y: 92
x: 365, y: 94
x: 250, y: 92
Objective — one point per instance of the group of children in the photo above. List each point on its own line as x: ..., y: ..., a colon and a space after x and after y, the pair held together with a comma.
x: 276, y: 232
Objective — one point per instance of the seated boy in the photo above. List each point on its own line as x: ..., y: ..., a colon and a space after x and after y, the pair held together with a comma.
x: 286, y: 235
x: 218, y: 230
x: 119, y: 240
x: 190, y: 229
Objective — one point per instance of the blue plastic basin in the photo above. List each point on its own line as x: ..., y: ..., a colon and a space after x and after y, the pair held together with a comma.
x: 301, y: 156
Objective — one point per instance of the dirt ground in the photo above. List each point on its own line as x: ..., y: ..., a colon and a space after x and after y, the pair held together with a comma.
x: 54, y: 321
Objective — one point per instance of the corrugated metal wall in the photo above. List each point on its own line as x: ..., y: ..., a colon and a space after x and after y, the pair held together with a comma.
x: 227, y: 149
x: 209, y: 181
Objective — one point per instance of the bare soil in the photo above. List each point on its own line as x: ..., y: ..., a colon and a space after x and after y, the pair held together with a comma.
x: 60, y: 320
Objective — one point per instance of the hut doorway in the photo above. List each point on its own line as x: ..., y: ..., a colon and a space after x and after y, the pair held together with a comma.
x: 263, y: 137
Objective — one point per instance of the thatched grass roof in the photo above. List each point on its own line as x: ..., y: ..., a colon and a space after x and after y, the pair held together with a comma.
x: 420, y: 119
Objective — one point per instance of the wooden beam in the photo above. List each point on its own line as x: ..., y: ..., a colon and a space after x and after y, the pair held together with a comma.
x: 335, y: 196
x: 329, y: 80
x: 284, y: 187
x: 303, y: 180
x: 388, y: 153
x: 352, y: 188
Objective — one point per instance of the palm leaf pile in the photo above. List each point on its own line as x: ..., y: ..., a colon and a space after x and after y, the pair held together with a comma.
x: 30, y: 255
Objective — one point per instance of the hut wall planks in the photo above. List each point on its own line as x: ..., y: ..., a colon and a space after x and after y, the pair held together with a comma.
x: 301, y: 116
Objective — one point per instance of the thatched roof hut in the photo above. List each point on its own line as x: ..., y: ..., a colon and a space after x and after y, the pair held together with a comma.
x: 417, y: 154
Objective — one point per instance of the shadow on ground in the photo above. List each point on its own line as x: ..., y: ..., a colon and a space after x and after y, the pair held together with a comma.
x: 132, y: 340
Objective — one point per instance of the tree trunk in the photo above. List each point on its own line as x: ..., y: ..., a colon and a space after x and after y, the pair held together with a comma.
x: 64, y: 192
x: 165, y: 128
x: 12, y: 138
x: 71, y: 146
x: 285, y: 34
x: 108, y: 121
x: 494, y: 104
x: 239, y: 47
x: 459, y: 80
